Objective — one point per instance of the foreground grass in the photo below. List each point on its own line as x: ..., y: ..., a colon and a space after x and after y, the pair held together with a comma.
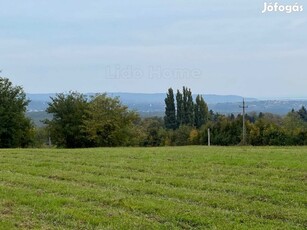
x: 154, y: 188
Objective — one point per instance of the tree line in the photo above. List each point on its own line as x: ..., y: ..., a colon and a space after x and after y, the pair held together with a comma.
x: 80, y: 121
x: 185, y: 111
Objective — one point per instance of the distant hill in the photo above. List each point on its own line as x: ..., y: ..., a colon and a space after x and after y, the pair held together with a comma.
x: 159, y: 97
x: 138, y: 101
x: 280, y: 107
x: 153, y: 104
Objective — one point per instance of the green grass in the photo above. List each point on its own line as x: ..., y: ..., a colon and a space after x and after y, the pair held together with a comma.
x: 154, y: 188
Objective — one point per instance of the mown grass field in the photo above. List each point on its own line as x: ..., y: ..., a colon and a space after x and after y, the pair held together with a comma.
x: 154, y: 188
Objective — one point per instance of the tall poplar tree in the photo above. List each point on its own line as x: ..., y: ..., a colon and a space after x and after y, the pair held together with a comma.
x: 170, y: 111
x: 200, y: 111
x: 185, y: 119
x: 190, y: 108
x: 179, y: 102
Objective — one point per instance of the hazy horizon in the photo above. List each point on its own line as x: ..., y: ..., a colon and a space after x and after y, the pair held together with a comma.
x: 210, y: 94
x: 213, y: 47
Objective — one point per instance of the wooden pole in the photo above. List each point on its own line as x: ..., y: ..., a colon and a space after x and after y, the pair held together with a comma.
x: 243, y: 120
x: 209, y: 141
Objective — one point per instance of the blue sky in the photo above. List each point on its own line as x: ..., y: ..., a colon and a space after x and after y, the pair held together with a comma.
x: 219, y: 47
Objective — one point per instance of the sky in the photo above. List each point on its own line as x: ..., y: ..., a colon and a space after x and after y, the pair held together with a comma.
x: 211, y: 46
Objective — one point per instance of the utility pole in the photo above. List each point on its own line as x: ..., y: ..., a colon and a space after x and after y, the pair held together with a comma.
x: 244, y: 128
x: 209, y: 141
x: 49, y: 140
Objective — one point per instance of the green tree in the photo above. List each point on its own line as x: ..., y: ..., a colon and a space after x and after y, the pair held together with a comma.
x: 194, y: 137
x: 190, y: 109
x: 200, y: 111
x: 170, y: 111
x: 182, y: 135
x: 295, y: 128
x: 41, y: 137
x: 179, y: 102
x: 267, y: 130
x: 66, y: 126
x: 152, y: 130
x: 224, y: 131
x: 16, y: 130
x: 185, y: 119
x: 303, y: 113
x: 108, y: 122
x: 187, y: 107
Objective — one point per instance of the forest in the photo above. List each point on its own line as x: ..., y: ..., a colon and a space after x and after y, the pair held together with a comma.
x: 81, y: 121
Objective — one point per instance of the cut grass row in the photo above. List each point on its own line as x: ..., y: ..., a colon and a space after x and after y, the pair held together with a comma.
x: 154, y: 188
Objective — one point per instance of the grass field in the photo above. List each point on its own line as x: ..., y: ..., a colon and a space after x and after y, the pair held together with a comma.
x: 154, y: 188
